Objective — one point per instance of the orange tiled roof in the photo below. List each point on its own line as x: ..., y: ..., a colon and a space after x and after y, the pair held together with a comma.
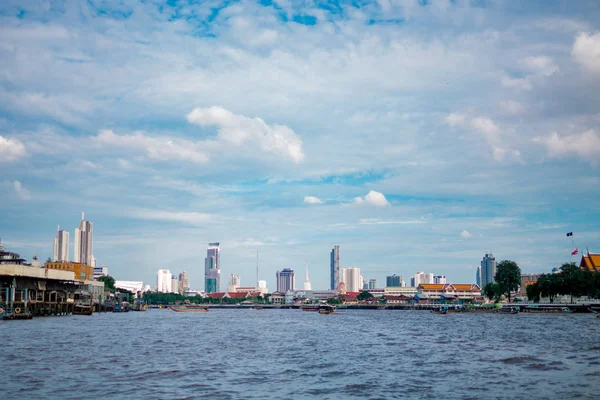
x: 590, y: 262
x: 432, y: 286
x: 216, y: 295
x: 463, y: 287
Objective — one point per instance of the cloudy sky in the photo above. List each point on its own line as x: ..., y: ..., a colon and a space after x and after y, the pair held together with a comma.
x: 417, y: 135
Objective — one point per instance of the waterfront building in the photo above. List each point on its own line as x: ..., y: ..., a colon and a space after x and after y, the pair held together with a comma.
x: 132, y: 286
x: 372, y: 283
x: 435, y: 293
x: 212, y: 269
x: 184, y: 283
x: 307, y: 285
x: 303, y: 296
x: 60, y: 246
x: 174, y: 284
x: 488, y: 269
x: 421, y: 277
x: 400, y: 291
x: 163, y: 281
x: 439, y: 279
x: 82, y: 247
x: 393, y: 281
x: 285, y: 280
x: 334, y: 267
x: 478, y: 276
x: 351, y: 277
x: 100, y: 271
x: 277, y: 298
x: 82, y: 271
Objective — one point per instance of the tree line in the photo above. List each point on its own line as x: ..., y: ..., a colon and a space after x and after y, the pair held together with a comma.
x: 569, y: 281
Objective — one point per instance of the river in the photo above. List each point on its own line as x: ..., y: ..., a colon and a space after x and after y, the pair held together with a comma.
x: 290, y: 354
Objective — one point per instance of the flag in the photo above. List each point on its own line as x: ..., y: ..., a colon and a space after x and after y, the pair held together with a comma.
x: 570, y: 234
x: 574, y: 252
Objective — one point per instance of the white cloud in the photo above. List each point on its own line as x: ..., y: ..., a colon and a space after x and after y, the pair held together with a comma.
x: 10, y: 149
x: 238, y: 130
x: 541, y: 65
x: 516, y: 83
x: 465, y: 234
x: 586, y: 51
x: 455, y: 119
x: 193, y: 218
x: 584, y: 145
x: 511, y: 107
x: 373, y: 198
x: 158, y: 148
x: 312, y: 200
x: 493, y: 136
x: 23, y: 193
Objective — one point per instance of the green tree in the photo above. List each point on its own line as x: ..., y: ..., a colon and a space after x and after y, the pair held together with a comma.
x: 573, y: 280
x: 533, y: 292
x: 492, y: 291
x: 382, y: 300
x: 550, y: 285
x: 508, y: 277
x: 109, y: 282
x: 362, y: 296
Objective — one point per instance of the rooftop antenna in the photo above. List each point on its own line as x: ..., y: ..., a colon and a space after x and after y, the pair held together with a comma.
x: 82, y: 216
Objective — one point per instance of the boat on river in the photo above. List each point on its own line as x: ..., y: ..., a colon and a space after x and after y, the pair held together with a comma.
x: 326, y: 309
x: 545, y: 310
x: 310, y: 308
x: 190, y: 309
x: 442, y: 310
x: 83, y: 303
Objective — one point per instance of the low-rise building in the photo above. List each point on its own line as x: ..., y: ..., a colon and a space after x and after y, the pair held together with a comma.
x: 277, y: 298
x: 83, y: 272
x: 434, y: 293
x: 526, y: 280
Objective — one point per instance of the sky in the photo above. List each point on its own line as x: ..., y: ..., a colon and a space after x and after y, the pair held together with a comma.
x: 417, y: 135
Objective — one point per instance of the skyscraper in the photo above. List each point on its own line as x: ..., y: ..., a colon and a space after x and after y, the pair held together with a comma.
x: 234, y: 283
x: 478, y: 276
x: 163, y: 281
x: 307, y: 285
x: 285, y: 280
x: 82, y: 251
x: 60, y: 248
x: 421, y: 277
x: 212, y: 271
x: 439, y: 279
x: 174, y: 284
x: 351, y: 278
x: 372, y: 283
x: 488, y: 269
x: 393, y: 281
x: 335, y: 267
x: 184, y: 283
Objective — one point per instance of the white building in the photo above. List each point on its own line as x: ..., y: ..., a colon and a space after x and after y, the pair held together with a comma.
x: 132, y: 286
x: 163, y: 281
x: 351, y: 278
x: 174, y: 284
x: 421, y: 277
x: 234, y: 283
x: 307, y: 285
x: 100, y: 271
x: 440, y: 279
x: 60, y: 248
x: 488, y: 269
x: 262, y: 287
x: 82, y: 251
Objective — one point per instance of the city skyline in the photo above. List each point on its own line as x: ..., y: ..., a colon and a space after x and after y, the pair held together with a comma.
x: 411, y: 134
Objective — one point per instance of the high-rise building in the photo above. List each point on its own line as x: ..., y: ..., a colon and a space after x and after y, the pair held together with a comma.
x: 440, y: 279
x: 488, y: 269
x: 285, y: 280
x: 184, y: 283
x: 478, y: 276
x: 212, y: 269
x: 174, y: 284
x: 421, y: 277
x: 100, y: 271
x: 372, y: 283
x: 234, y: 283
x: 393, y: 281
x: 60, y: 248
x: 82, y: 251
x: 335, y: 267
x: 307, y: 285
x: 351, y: 279
x: 163, y: 281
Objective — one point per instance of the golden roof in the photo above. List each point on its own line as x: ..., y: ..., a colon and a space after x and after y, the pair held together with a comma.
x: 590, y: 262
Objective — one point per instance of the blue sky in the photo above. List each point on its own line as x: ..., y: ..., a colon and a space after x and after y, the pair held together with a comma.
x: 414, y: 134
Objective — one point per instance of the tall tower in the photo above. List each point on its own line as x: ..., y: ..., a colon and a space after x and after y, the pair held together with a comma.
x: 212, y: 269
x: 488, y: 269
x: 307, y: 285
x: 82, y: 252
x: 335, y: 267
x: 478, y: 276
x: 60, y: 248
x: 285, y: 280
x: 351, y: 278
